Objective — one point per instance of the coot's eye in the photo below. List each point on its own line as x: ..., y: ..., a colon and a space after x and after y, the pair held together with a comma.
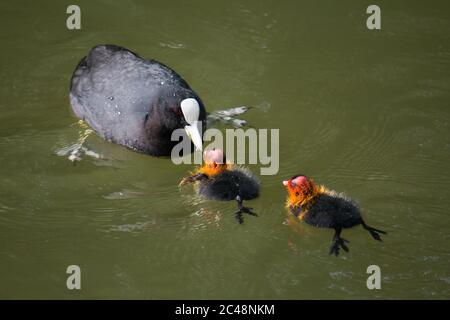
x: 177, y: 111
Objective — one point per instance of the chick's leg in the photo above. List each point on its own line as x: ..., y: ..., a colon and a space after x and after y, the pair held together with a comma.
x: 373, y: 232
x: 242, y: 210
x: 338, y: 242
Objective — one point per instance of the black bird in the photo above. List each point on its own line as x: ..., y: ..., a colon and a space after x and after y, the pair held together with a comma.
x: 324, y: 208
x: 219, y: 180
x: 135, y: 102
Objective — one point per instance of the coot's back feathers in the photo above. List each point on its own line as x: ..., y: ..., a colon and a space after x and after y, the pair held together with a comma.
x: 127, y: 99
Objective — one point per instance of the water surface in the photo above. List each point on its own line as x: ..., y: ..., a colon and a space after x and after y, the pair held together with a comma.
x: 364, y: 112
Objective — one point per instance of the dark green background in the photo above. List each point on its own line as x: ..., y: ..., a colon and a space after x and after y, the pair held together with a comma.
x: 364, y: 112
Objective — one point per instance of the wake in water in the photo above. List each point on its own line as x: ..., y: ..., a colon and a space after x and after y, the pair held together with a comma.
x: 227, y: 117
x: 77, y: 151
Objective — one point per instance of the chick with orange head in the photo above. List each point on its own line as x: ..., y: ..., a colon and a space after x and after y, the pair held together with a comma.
x: 219, y: 180
x: 320, y: 207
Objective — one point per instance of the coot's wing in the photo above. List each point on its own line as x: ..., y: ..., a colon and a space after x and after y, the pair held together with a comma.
x: 112, y: 84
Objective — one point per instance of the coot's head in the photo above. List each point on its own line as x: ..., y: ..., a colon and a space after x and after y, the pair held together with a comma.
x: 172, y: 111
x: 300, y: 188
x: 215, y: 162
x: 190, y: 110
x: 214, y: 156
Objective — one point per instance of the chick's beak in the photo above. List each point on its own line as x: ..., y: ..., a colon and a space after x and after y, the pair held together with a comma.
x: 285, y: 183
x: 193, y: 132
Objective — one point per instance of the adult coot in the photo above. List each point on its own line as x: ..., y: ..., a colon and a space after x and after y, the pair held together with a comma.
x: 324, y: 208
x: 135, y: 102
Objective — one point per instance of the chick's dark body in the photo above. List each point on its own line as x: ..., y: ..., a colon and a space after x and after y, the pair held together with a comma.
x: 324, y: 208
x: 330, y: 211
x: 229, y: 185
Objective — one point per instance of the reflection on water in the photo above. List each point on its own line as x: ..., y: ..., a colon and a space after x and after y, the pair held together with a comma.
x: 362, y: 112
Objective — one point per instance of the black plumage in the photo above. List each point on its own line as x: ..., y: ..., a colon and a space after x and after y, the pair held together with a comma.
x: 229, y: 185
x: 333, y: 211
x: 324, y: 208
x: 218, y: 180
x: 129, y: 100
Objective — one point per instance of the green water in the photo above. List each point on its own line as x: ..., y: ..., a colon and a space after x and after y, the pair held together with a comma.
x: 364, y: 112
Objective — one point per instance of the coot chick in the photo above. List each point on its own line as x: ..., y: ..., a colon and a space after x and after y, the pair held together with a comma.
x: 134, y: 102
x: 219, y: 180
x: 320, y: 207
